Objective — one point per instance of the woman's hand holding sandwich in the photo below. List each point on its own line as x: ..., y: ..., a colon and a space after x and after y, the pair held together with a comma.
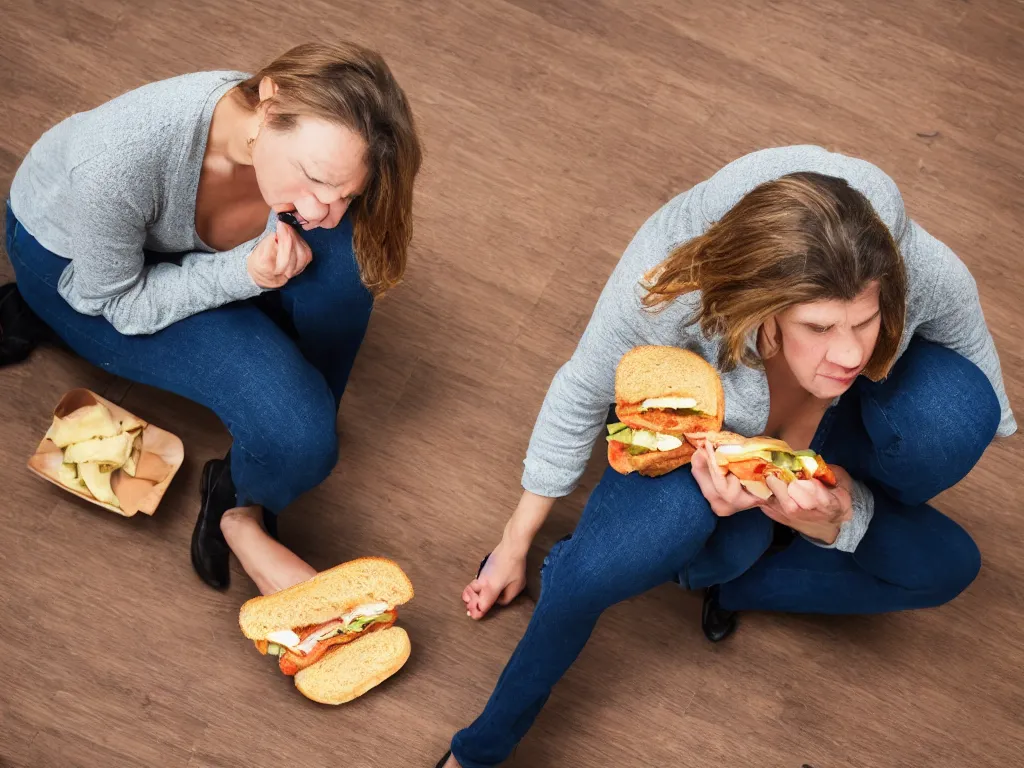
x: 809, y: 506
x: 723, y: 491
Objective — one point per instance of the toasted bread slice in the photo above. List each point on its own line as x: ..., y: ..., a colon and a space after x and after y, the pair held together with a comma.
x: 650, y: 464
x: 326, y: 596
x: 661, y: 371
x: 351, y: 670
x: 658, y: 463
x: 619, y: 458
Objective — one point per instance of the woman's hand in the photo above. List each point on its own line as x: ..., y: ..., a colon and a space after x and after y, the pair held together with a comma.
x: 503, y: 577
x: 724, y: 492
x: 276, y: 260
x: 810, y: 507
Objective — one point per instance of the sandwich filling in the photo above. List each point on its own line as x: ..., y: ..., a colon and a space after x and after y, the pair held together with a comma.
x: 303, y: 647
x: 678, y: 405
x: 792, y: 465
x: 641, y: 441
x: 755, y: 459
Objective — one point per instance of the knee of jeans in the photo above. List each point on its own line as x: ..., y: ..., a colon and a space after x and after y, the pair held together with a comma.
x: 587, y: 575
x: 957, y: 563
x: 972, y: 410
x: 301, y: 441
x: 911, y: 425
x: 570, y: 585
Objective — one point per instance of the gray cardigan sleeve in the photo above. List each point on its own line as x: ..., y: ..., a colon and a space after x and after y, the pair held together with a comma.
x: 577, y: 402
x: 108, y: 277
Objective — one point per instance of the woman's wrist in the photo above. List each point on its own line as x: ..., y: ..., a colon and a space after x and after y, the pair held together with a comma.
x: 826, y: 533
x: 528, y: 518
x: 515, y: 541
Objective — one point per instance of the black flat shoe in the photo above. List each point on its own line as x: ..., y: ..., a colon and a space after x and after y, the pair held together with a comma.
x: 21, y: 330
x: 448, y: 754
x: 716, y: 622
x: 209, y: 549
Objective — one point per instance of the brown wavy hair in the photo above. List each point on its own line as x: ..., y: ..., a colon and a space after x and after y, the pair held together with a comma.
x: 801, y: 238
x: 351, y: 85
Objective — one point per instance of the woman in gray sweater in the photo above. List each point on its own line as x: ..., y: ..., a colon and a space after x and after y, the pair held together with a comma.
x: 223, y: 236
x: 836, y: 324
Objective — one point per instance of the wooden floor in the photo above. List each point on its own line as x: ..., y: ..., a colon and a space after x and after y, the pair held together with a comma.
x: 553, y: 129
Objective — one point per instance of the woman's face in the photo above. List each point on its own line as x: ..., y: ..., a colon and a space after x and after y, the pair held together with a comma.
x: 312, y: 170
x: 828, y: 343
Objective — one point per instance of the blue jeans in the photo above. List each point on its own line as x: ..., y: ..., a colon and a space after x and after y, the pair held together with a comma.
x: 273, y: 369
x: 908, y: 438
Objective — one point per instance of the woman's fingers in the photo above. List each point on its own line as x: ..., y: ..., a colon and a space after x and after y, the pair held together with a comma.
x: 487, y: 597
x: 701, y: 474
x: 741, y: 497
x: 303, y: 258
x: 812, y: 497
x: 284, y: 246
x: 781, y: 495
x: 470, y: 591
x: 718, y: 477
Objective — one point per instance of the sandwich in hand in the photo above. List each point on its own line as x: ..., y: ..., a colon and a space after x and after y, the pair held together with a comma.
x: 753, y: 459
x: 661, y: 394
x: 335, y: 633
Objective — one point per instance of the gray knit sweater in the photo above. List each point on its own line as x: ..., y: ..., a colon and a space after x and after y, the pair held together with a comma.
x: 103, y: 185
x: 942, y: 306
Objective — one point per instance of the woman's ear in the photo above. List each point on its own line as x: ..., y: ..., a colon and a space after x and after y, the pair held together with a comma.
x: 769, y: 340
x: 268, y: 89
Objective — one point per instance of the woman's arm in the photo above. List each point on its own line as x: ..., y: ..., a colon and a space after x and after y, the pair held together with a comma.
x: 526, y: 521
x: 108, y: 276
x: 575, y: 407
x: 574, y: 412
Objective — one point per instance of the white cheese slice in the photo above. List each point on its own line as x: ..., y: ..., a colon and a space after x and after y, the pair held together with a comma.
x: 680, y: 403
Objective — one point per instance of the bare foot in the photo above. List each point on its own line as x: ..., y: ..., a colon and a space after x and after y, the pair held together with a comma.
x: 267, y: 561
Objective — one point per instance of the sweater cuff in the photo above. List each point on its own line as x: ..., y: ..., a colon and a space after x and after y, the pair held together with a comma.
x: 852, y: 531
x: 546, y: 479
x: 235, y: 278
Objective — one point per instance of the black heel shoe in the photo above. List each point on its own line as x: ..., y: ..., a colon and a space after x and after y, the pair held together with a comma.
x: 209, y: 549
x: 443, y: 760
x: 716, y: 622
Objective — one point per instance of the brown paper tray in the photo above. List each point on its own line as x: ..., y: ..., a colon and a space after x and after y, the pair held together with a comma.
x: 159, y: 448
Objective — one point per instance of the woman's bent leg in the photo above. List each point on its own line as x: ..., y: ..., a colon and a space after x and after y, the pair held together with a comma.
x: 329, y: 306
x: 635, y: 533
x: 234, y: 360
x: 908, y: 438
x: 911, y: 557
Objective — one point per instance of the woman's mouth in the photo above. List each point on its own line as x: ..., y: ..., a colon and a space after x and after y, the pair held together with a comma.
x: 845, y: 380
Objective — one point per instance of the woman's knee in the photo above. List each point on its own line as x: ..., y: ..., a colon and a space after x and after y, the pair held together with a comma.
x: 933, y: 418
x: 296, y: 437
x: 953, y: 563
x: 635, y: 534
x: 670, y: 509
